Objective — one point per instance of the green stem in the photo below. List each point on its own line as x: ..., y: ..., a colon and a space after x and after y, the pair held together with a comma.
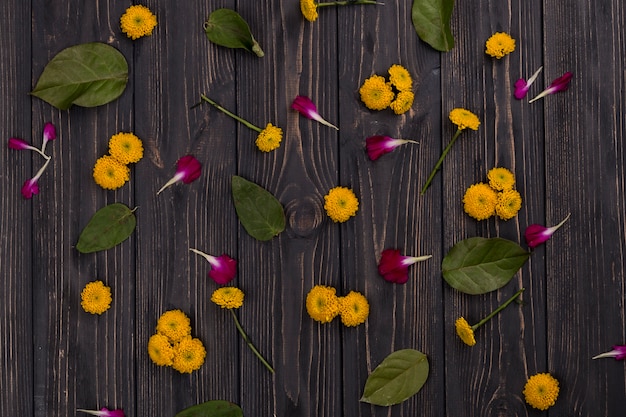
x: 440, y: 161
x: 497, y: 310
x: 234, y: 116
x: 249, y: 342
x: 347, y: 2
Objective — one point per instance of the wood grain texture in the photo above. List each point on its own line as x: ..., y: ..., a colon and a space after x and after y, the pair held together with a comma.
x: 565, y: 150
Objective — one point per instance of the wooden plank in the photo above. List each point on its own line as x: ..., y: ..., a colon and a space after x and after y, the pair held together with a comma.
x: 392, y: 214
x: 16, y: 319
x: 585, y: 177
x: 81, y: 361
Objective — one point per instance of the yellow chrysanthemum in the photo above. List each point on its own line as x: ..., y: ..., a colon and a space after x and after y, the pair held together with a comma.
x: 354, y: 309
x: 480, y: 201
x: 269, y: 138
x: 322, y: 303
x: 400, y: 78
x: 309, y: 10
x: 126, y: 148
x: 541, y: 391
x: 465, y: 331
x: 341, y: 204
x: 509, y: 203
x: 501, y: 179
x: 500, y: 44
x: 161, y: 350
x: 403, y: 102
x: 376, y: 93
x: 109, y: 173
x: 138, y: 21
x: 464, y: 118
x: 174, y: 324
x: 189, y: 355
x: 228, y: 297
x: 96, y: 297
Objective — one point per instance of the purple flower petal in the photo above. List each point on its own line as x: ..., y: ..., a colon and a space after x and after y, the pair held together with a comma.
x: 377, y: 146
x: 558, y: 85
x: 536, y: 234
x: 395, y: 267
x: 618, y: 352
x: 30, y: 188
x: 307, y: 108
x: 188, y: 169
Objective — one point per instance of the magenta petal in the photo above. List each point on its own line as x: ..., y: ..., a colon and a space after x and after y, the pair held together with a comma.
x: 223, y: 269
x: 189, y: 168
x: 19, y: 144
x: 49, y: 132
x: 391, y: 267
x: 521, y: 89
x: 620, y: 351
x: 104, y: 412
x: 30, y: 188
x: 561, y: 83
x: 377, y: 146
x: 305, y: 106
x: 536, y: 234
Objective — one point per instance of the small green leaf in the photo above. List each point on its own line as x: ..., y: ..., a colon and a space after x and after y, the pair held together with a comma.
x: 478, y: 265
x: 88, y: 75
x: 398, y: 377
x: 431, y: 19
x: 260, y: 213
x: 215, y: 408
x: 109, y: 226
x: 227, y: 28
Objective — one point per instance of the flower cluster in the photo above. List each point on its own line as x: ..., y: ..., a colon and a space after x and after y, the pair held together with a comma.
x: 482, y: 201
x: 138, y: 21
x: 96, y: 297
x: 172, y: 345
x: 31, y: 186
x: 340, y: 204
x: 377, y: 93
x: 309, y: 7
x: 499, y: 45
x: 111, y: 171
x: 323, y: 305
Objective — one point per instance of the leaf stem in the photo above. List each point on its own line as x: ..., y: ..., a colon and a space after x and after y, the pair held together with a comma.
x: 249, y: 342
x: 233, y: 115
x: 440, y: 161
x: 497, y: 310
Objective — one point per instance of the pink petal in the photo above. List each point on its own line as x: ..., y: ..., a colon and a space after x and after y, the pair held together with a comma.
x: 391, y: 267
x: 561, y: 83
x: 189, y: 168
x: 49, y: 132
x: 521, y: 89
x: 30, y: 188
x: 377, y: 146
x: 19, y: 144
x: 305, y: 106
x: 224, y: 269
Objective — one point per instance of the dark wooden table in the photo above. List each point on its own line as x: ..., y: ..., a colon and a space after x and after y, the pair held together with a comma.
x: 565, y: 150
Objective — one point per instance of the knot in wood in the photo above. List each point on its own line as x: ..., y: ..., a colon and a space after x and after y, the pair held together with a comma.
x: 304, y: 216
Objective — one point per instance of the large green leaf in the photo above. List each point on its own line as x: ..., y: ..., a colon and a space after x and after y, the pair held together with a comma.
x: 398, y: 377
x: 226, y: 27
x: 109, y: 226
x: 88, y: 75
x: 215, y: 408
x: 260, y: 213
x: 478, y: 265
x: 431, y: 19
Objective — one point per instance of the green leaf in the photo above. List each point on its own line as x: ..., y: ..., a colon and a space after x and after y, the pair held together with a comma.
x: 215, y: 408
x: 398, y: 377
x: 88, y: 75
x: 227, y: 28
x: 260, y: 213
x: 109, y: 226
x: 478, y: 265
x: 431, y: 19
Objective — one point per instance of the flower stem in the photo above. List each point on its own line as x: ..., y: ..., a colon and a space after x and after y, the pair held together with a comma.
x: 234, y: 116
x: 346, y: 2
x: 497, y: 310
x: 249, y: 342
x: 440, y: 161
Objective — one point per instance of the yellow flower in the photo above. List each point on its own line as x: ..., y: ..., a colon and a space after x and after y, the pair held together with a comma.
x: 541, y: 391
x: 126, y: 148
x: 509, y: 203
x: 499, y: 44
x: 341, y: 204
x: 96, y: 297
x: 269, y: 138
x: 309, y: 10
x: 403, y: 102
x: 376, y: 94
x: 322, y: 303
x: 465, y: 331
x: 137, y: 21
x: 480, y: 201
x: 464, y: 118
x: 109, y: 173
x: 189, y: 355
x: 354, y: 309
x: 228, y: 297
x: 400, y: 78
x: 501, y: 179
x: 174, y: 324
x: 160, y: 350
